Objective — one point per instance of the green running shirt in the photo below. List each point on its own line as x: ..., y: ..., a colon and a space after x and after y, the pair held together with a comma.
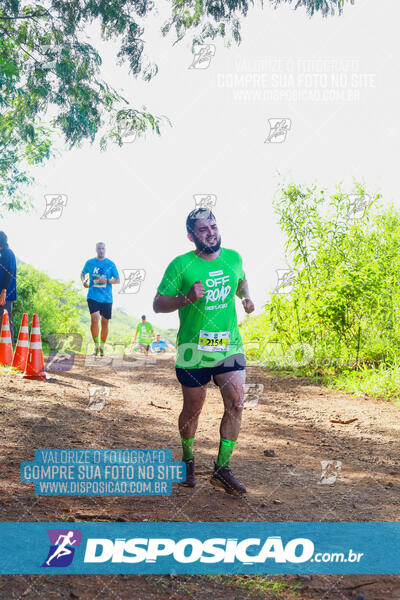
x: 144, y: 332
x: 208, y: 331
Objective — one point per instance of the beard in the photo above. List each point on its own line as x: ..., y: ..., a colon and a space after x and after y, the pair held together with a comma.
x: 205, y: 248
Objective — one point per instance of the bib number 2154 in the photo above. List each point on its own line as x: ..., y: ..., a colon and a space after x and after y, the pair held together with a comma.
x: 214, y: 341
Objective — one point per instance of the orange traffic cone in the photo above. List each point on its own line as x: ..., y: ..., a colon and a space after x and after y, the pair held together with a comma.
x: 22, y: 347
x: 35, y: 367
x: 6, y: 350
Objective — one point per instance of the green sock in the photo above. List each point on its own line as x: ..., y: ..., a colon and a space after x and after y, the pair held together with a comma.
x: 187, y: 448
x: 96, y: 341
x: 102, y: 344
x: 225, y: 451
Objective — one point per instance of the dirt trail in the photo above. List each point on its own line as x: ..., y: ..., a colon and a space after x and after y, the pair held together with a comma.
x: 292, y: 418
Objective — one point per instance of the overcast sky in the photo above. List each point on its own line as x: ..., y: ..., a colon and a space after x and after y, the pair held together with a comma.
x: 335, y: 79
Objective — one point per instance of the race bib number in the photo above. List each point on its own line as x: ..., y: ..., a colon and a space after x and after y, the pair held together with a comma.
x: 214, y: 341
x: 95, y: 283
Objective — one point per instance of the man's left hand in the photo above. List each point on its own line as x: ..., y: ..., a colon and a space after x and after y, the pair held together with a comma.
x: 2, y: 298
x: 248, y: 305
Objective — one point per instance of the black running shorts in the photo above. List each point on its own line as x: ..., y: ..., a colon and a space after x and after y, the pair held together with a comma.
x: 103, y: 307
x: 198, y: 377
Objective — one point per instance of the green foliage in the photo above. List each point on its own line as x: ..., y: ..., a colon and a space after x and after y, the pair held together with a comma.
x: 210, y: 20
x: 380, y: 381
x: 325, y: 7
x: 56, y: 302
x: 255, y: 330
x: 132, y: 122
x: 342, y: 311
x: 48, y: 68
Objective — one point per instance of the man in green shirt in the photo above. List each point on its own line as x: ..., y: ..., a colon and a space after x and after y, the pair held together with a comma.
x: 145, y: 333
x: 202, y: 285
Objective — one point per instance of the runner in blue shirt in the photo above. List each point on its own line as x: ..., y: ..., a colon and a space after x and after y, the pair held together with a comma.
x: 102, y: 275
x: 159, y: 345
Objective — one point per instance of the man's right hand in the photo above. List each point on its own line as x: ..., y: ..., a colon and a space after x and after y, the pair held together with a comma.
x: 196, y: 291
x: 86, y: 284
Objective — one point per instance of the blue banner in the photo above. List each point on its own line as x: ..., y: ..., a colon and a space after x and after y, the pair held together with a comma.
x: 145, y: 548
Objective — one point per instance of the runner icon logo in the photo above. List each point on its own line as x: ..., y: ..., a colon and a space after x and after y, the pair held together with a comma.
x: 55, y: 204
x: 125, y: 129
x: 357, y: 205
x: 202, y: 56
x: 330, y: 471
x: 132, y: 280
x: 63, y: 543
x: 205, y: 201
x: 49, y: 56
x: 286, y: 281
x: 278, y: 129
x: 98, y: 395
x: 251, y: 394
x: 62, y: 351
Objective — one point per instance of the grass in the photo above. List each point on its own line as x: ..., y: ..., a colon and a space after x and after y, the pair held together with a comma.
x: 263, y: 586
x: 8, y: 371
x: 260, y: 584
x: 381, y: 382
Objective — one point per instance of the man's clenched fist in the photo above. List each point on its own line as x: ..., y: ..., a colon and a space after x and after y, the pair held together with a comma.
x: 196, y: 291
x: 248, y: 305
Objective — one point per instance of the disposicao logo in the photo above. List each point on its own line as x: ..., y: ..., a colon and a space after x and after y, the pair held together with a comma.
x: 62, y: 547
x: 190, y: 550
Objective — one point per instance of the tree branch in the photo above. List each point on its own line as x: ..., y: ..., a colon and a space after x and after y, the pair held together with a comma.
x: 30, y: 16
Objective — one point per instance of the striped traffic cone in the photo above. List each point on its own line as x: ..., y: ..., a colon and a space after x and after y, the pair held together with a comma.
x: 35, y: 367
x: 6, y: 350
x: 22, y: 347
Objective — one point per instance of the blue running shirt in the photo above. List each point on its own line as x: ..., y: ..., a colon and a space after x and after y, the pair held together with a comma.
x: 101, y: 292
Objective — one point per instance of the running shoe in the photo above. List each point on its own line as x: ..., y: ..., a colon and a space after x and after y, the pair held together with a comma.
x: 101, y: 351
x: 190, y: 476
x: 224, y: 479
x: 95, y: 351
